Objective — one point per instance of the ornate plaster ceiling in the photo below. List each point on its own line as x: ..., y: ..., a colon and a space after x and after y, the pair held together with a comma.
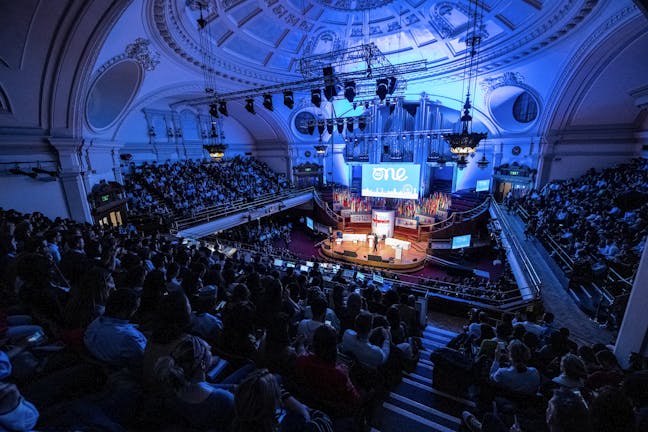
x: 256, y: 42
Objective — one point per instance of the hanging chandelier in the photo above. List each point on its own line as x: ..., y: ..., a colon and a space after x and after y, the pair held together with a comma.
x: 466, y: 142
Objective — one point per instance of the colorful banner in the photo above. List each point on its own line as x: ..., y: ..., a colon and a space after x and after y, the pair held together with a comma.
x: 406, y: 223
x: 360, y: 218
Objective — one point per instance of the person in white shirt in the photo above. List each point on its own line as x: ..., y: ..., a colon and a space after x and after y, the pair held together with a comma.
x: 357, y: 342
x: 307, y: 327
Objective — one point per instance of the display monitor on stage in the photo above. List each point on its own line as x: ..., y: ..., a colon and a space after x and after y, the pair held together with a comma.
x: 278, y: 262
x: 391, y: 180
x: 347, y: 274
x: 310, y: 263
x: 360, y: 276
x: 462, y: 241
x: 309, y: 223
x: 290, y: 264
x: 482, y: 185
x: 304, y: 268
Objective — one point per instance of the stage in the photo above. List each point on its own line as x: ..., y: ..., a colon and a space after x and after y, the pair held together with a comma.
x: 359, y: 252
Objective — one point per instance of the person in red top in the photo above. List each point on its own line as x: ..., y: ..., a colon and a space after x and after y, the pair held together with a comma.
x: 323, y: 382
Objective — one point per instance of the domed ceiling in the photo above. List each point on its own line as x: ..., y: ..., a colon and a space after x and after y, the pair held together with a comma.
x: 257, y: 42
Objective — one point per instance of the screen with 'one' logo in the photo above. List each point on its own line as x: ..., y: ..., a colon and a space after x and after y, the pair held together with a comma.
x: 391, y: 180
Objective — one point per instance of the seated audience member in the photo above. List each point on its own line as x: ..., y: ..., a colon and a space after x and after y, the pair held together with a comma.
x: 572, y: 372
x: 609, y: 374
x: 635, y: 387
x: 518, y: 377
x: 111, y: 338
x: 350, y: 311
x: 567, y: 412
x: 87, y: 301
x: 611, y: 411
x: 239, y: 325
x: 327, y: 384
x: 260, y: 405
x: 275, y: 352
x: 203, y: 322
x: 200, y: 404
x: 170, y: 327
x: 16, y: 413
x: 356, y: 342
x: 307, y: 327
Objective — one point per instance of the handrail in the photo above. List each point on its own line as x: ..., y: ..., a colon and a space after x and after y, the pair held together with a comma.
x: 518, y: 250
x: 462, y: 216
x: 226, y: 210
x: 324, y: 205
x: 612, y: 274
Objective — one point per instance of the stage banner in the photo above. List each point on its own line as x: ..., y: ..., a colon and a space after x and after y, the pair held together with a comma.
x: 382, y: 222
x: 406, y: 223
x: 426, y: 220
x: 345, y: 212
x: 391, y: 180
x: 361, y: 218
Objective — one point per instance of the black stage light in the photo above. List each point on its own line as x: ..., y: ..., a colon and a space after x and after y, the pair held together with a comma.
x: 392, y: 85
x: 316, y: 97
x: 310, y: 126
x: 267, y: 102
x: 249, y: 105
x: 350, y: 90
x: 340, y: 125
x: 362, y: 123
x: 222, y: 108
x: 213, y: 110
x: 289, y: 99
x: 320, y: 126
x: 350, y: 124
x: 329, y: 126
x: 381, y: 88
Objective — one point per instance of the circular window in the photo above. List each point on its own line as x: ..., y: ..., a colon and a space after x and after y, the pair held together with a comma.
x: 525, y: 108
x: 513, y: 108
x: 112, y: 92
x: 302, y: 122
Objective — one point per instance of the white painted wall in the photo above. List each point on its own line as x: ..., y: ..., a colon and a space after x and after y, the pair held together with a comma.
x: 28, y: 195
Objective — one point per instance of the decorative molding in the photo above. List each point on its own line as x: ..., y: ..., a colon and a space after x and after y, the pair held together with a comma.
x: 140, y: 52
x: 5, y: 106
x: 506, y: 79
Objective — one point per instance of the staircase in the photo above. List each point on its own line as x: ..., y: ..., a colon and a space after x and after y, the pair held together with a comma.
x: 414, y: 405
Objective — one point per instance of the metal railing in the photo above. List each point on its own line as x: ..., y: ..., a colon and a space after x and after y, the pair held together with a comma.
x: 329, y: 212
x: 220, y: 211
x: 457, y: 217
x: 519, y: 252
x: 559, y: 252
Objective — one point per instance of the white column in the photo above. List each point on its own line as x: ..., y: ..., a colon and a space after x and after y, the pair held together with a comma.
x: 633, y: 335
x: 69, y: 151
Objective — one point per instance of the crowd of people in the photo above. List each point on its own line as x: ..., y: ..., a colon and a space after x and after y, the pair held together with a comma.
x: 117, y: 329
x: 527, y: 374
x: 600, y: 219
x: 186, y: 187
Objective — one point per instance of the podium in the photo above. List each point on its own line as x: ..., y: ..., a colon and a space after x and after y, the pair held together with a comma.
x: 398, y: 252
x: 372, y: 239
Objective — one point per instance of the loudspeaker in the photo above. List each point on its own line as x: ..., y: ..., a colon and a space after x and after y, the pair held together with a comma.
x: 374, y: 258
x: 350, y: 253
x: 327, y: 247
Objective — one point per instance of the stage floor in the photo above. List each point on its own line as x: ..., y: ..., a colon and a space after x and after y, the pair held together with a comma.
x: 359, y: 253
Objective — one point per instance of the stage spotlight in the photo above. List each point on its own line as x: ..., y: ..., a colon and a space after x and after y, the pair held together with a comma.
x: 249, y: 105
x: 340, y: 125
x: 392, y: 108
x: 329, y: 126
x: 362, y: 123
x: 310, y: 126
x: 381, y: 88
x: 392, y: 85
x: 213, y: 110
x: 350, y: 124
x: 366, y: 105
x: 222, y: 108
x: 289, y: 99
x: 350, y: 91
x: 316, y: 97
x: 267, y: 102
x: 320, y: 126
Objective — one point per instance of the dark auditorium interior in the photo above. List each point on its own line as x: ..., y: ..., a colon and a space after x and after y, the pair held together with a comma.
x: 324, y: 215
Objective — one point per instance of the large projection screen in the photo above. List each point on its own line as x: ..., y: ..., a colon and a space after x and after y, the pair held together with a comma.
x: 391, y: 180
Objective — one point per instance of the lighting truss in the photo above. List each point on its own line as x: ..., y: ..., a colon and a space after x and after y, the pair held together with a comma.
x: 369, y: 54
